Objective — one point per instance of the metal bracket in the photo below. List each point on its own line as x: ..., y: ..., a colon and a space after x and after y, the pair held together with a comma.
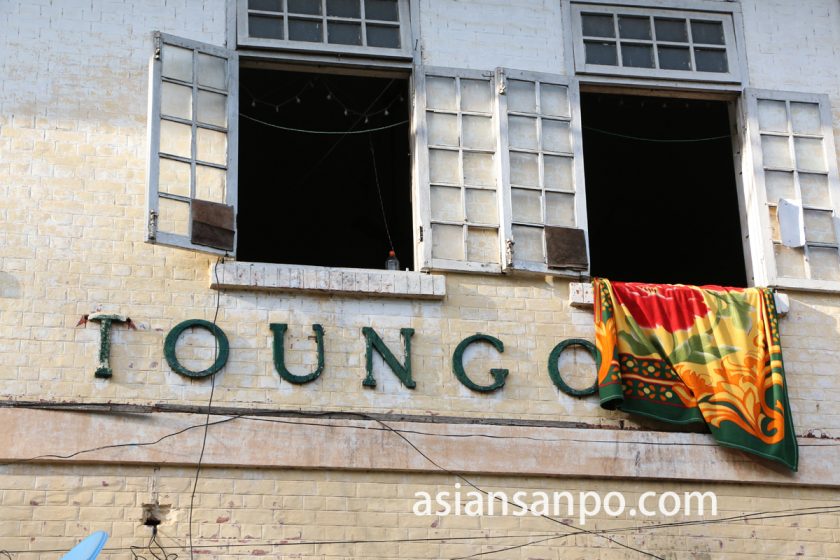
x: 152, y: 225
x: 501, y: 81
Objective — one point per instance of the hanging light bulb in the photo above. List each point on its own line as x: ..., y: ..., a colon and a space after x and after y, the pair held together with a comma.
x: 345, y: 112
x: 386, y: 112
x: 297, y: 99
x: 277, y: 108
x: 367, y: 120
x: 329, y: 96
x: 253, y: 103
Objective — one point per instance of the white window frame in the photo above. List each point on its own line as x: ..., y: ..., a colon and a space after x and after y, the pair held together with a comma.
x: 153, y: 235
x: 724, y: 14
x: 403, y: 52
x: 428, y: 262
x: 579, y: 191
x: 761, y: 242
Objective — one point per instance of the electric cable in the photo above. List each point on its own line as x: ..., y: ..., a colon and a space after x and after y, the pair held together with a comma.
x: 326, y: 132
x: 660, y: 140
x: 209, y: 410
x: 379, y: 192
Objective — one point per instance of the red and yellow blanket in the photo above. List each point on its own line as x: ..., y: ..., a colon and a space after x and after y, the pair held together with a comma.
x: 689, y: 354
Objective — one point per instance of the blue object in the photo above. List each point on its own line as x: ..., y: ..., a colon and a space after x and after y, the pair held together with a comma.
x: 89, y: 548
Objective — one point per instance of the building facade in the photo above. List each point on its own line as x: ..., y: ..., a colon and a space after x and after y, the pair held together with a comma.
x: 246, y: 166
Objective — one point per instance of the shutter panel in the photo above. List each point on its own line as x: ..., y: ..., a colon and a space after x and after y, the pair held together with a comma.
x: 458, y: 170
x: 542, y: 171
x: 795, y: 166
x: 193, y: 106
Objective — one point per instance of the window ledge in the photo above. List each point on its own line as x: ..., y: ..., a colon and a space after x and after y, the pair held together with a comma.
x: 581, y: 296
x: 324, y: 280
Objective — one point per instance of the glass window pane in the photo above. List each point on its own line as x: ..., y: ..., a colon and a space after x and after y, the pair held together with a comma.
x: 521, y: 96
x: 708, y: 32
x: 772, y: 115
x: 526, y: 206
x: 173, y: 216
x: 344, y: 8
x: 528, y: 244
x: 211, y: 71
x: 265, y: 27
x: 383, y: 36
x: 304, y: 7
x: 446, y: 204
x: 825, y: 263
x: 674, y: 58
x: 483, y: 245
x: 177, y: 63
x: 477, y: 132
x: 560, y: 209
x: 385, y: 10
x: 522, y: 132
x: 632, y: 27
x: 524, y: 169
x: 210, y: 183
x: 211, y: 146
x: 710, y: 60
x: 814, y: 188
x: 344, y: 33
x: 779, y: 184
x: 447, y: 242
x: 598, y: 25
x: 211, y: 108
x: 176, y: 139
x: 637, y: 56
x: 440, y: 93
x: 809, y: 154
x: 790, y: 262
x: 670, y: 30
x: 775, y: 151
x: 479, y: 169
x: 819, y: 226
x: 805, y: 118
x: 556, y: 136
x: 482, y: 207
x: 601, y: 53
x: 443, y: 129
x: 554, y: 100
x: 266, y: 5
x: 176, y: 100
x: 476, y: 96
x: 174, y: 177
x: 443, y: 166
x: 305, y: 30
x: 558, y: 172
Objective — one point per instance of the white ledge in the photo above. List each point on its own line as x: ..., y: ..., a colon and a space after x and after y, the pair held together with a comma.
x: 324, y: 280
x: 581, y: 296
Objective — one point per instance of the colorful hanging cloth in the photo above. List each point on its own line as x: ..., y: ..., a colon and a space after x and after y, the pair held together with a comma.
x: 697, y: 354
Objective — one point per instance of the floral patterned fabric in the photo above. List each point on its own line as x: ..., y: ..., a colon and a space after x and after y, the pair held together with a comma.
x: 697, y: 354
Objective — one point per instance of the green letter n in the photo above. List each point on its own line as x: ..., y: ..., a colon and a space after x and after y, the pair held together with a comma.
x: 373, y: 342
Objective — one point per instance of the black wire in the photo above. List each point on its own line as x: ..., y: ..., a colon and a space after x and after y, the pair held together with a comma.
x: 379, y: 192
x: 209, y: 410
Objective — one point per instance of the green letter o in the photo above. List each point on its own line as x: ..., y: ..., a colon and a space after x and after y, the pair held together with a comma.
x: 175, y: 334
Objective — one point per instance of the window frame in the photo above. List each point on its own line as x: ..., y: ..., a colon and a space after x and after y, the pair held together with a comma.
x: 156, y: 81
x: 726, y: 14
x: 423, y: 188
x: 243, y: 40
x: 761, y: 239
x: 579, y: 191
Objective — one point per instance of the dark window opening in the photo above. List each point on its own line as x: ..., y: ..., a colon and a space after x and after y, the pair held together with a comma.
x: 663, y: 211
x: 312, y: 199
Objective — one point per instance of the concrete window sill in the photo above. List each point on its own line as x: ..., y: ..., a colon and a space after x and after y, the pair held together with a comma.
x: 581, y: 296
x: 324, y: 280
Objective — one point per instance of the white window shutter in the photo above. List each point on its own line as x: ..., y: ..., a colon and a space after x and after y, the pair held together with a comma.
x: 794, y: 203
x: 457, y: 170
x: 542, y: 172
x: 192, y: 171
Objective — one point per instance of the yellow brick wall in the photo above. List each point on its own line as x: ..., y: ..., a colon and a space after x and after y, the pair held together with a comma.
x: 270, y: 511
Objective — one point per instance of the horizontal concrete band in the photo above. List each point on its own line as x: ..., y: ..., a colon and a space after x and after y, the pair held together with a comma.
x: 313, y: 443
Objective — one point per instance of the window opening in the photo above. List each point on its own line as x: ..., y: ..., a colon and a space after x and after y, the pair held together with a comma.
x: 661, y: 194
x: 314, y: 187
